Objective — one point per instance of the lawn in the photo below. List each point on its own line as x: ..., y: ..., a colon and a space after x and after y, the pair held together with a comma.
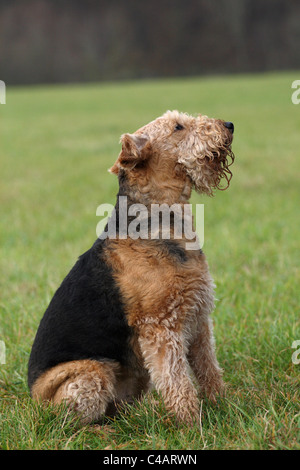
x: 56, y: 144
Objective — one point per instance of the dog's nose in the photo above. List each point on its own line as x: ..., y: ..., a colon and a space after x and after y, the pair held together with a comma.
x: 229, y: 126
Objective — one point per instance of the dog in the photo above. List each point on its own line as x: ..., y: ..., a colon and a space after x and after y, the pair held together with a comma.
x: 135, y: 312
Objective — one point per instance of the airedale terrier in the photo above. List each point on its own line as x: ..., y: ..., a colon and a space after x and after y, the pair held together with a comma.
x: 137, y: 311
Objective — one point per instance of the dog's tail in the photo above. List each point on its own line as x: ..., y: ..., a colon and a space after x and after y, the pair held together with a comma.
x: 47, y: 387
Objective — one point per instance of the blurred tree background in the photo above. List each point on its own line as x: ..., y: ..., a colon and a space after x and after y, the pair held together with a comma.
x: 48, y: 41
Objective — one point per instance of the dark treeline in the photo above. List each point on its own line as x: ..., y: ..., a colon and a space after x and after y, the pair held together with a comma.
x: 44, y: 41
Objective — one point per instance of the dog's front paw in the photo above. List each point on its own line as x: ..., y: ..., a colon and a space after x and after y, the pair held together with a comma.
x: 213, y: 388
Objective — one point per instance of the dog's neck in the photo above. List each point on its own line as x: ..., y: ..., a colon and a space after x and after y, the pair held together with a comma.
x: 171, y: 192
x: 152, y: 210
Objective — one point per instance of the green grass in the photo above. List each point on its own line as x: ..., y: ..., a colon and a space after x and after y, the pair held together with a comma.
x: 56, y: 145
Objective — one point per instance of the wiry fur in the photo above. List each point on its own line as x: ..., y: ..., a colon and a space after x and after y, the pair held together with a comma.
x: 132, y: 312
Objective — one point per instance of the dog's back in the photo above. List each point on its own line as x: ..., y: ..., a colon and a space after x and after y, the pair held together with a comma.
x: 84, y: 320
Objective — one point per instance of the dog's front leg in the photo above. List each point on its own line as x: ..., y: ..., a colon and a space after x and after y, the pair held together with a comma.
x: 203, y: 361
x: 165, y: 359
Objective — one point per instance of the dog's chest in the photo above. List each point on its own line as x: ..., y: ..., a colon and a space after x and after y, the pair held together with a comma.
x: 159, y: 287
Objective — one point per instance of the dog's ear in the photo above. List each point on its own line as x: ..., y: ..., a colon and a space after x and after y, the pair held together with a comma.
x: 136, y: 149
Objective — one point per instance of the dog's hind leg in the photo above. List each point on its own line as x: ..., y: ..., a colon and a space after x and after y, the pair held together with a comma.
x: 88, y: 386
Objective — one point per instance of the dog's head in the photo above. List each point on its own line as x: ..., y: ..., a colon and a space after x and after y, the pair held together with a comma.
x: 175, y: 147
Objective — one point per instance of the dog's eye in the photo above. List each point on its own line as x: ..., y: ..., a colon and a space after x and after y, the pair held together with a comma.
x: 178, y: 127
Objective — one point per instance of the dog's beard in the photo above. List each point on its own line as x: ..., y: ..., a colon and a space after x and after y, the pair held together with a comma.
x: 211, y: 171
x: 222, y: 160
